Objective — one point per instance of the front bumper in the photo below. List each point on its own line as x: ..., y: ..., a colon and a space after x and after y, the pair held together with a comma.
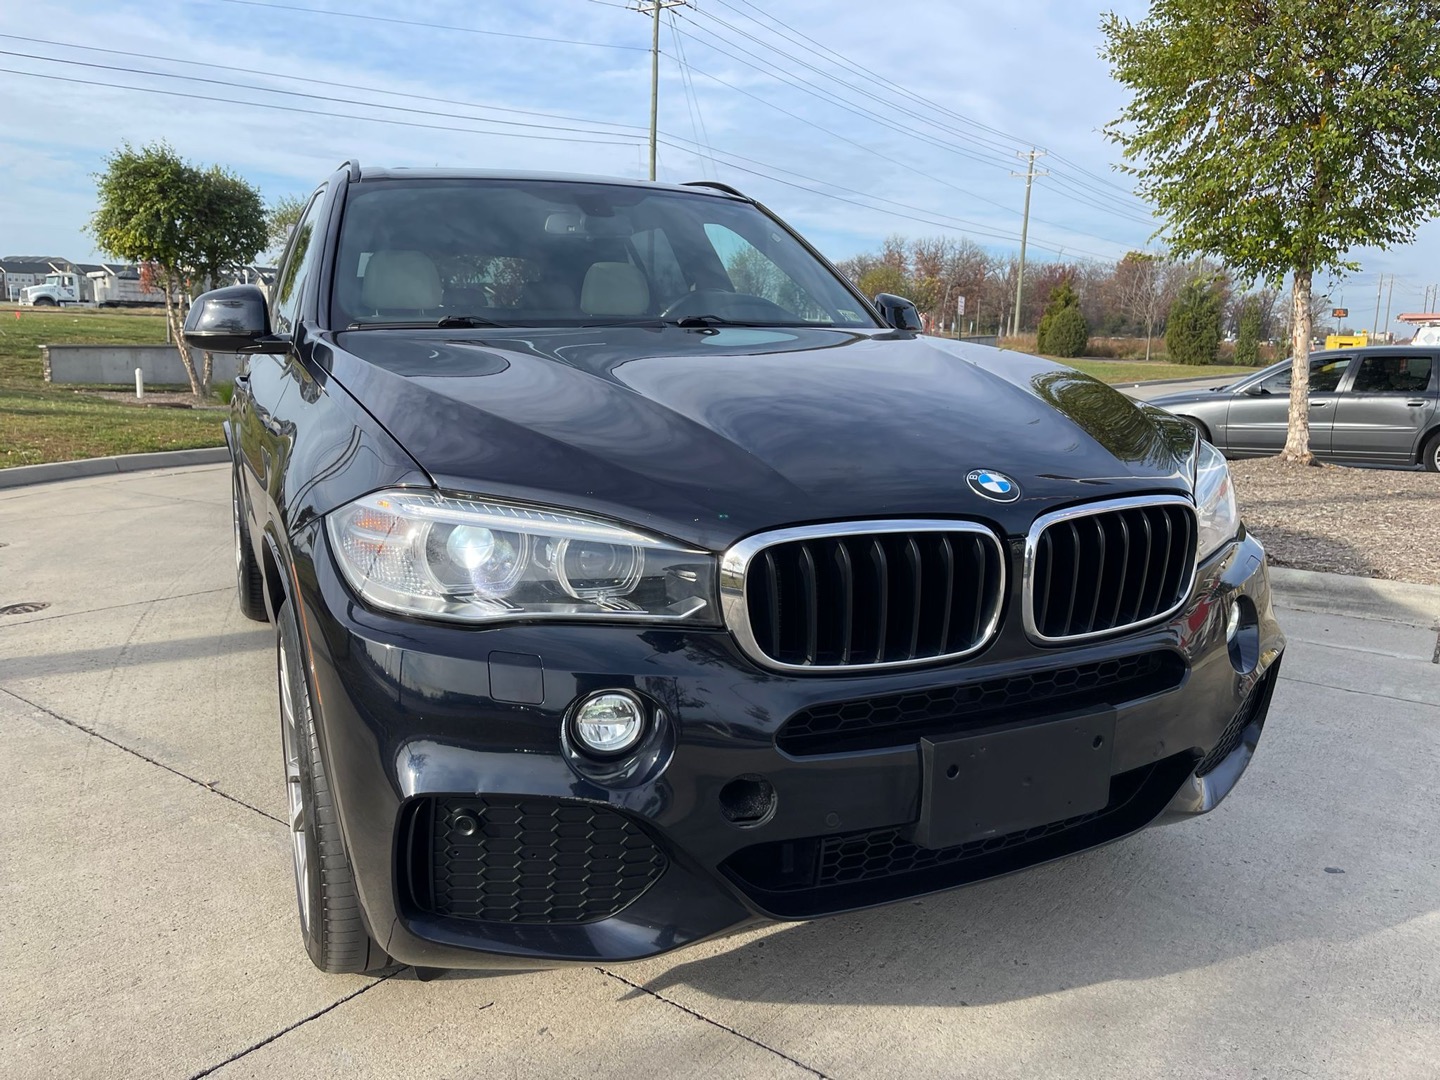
x: 429, y: 729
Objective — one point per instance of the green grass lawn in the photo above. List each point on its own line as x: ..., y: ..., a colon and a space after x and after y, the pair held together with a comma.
x: 1133, y: 371
x: 40, y: 422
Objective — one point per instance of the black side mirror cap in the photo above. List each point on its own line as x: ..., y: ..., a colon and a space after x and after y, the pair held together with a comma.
x: 899, y: 312
x: 234, y: 319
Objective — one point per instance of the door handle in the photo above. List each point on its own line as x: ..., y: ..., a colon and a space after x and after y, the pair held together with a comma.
x: 1319, y: 404
x: 1415, y: 404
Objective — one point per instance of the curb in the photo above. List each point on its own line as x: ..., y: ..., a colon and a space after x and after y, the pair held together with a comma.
x: 22, y: 475
x: 1357, y: 597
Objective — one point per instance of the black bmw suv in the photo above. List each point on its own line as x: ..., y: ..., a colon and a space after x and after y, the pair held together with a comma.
x: 635, y: 579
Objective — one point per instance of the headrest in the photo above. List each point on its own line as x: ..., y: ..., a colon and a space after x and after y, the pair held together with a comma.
x: 614, y: 288
x: 400, y: 281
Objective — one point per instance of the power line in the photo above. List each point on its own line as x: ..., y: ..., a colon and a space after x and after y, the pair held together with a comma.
x: 430, y: 25
x: 296, y: 93
x: 314, y: 112
x: 898, y: 89
x: 826, y: 96
x: 318, y: 82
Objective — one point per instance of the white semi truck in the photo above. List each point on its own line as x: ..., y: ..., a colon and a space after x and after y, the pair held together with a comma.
x: 99, y: 288
x: 58, y: 290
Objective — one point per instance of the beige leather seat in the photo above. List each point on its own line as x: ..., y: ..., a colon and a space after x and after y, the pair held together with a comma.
x: 400, y: 281
x: 614, y: 288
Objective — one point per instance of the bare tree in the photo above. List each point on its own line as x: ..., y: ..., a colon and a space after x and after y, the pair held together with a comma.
x: 1144, y: 286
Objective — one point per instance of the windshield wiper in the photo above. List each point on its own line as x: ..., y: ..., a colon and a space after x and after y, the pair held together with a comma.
x: 449, y: 322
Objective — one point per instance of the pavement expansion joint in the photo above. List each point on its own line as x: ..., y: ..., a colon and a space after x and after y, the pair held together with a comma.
x: 713, y: 1023
x: 210, y: 787
x: 298, y: 1023
x: 117, y: 607
x: 1362, y: 693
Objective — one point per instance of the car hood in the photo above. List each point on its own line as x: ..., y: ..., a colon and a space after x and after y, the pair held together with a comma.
x: 1189, y: 397
x: 710, y: 435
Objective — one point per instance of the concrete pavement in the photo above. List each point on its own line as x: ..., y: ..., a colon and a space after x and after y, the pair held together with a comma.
x: 147, y: 923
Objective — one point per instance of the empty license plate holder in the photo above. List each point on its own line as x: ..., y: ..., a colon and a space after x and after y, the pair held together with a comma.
x: 995, y: 783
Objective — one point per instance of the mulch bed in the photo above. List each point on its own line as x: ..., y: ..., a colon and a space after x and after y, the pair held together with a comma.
x: 1378, y: 523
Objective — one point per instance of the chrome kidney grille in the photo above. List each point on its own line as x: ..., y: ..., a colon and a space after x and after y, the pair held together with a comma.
x: 865, y: 594
x: 1107, y: 567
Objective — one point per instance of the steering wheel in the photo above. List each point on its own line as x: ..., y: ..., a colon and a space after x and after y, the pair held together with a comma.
x: 741, y: 306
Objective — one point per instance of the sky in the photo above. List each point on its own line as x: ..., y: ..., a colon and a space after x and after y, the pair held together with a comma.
x: 852, y: 123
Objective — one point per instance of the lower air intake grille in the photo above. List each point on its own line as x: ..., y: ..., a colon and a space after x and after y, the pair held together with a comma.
x: 510, y: 860
x: 1110, y: 566
x: 896, y: 719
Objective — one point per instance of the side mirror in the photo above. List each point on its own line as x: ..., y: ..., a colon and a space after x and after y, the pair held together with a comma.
x: 1256, y: 390
x: 231, y: 320
x: 899, y: 312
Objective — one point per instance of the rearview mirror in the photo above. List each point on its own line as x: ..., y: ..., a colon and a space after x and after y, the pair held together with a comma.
x: 899, y: 312
x: 234, y: 319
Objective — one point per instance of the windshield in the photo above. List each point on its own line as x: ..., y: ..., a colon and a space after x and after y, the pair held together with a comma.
x: 568, y: 253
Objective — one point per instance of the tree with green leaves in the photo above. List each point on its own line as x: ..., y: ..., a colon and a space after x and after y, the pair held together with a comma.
x: 190, y: 225
x: 1247, y: 340
x: 1280, y: 134
x: 281, y: 217
x: 1192, y: 330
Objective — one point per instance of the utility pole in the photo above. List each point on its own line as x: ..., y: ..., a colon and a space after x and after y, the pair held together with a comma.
x: 1379, y: 287
x: 654, y: 7
x: 1029, y: 175
x: 1389, y: 295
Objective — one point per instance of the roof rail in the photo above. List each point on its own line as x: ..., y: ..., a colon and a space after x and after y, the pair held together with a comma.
x: 718, y: 186
x: 353, y: 168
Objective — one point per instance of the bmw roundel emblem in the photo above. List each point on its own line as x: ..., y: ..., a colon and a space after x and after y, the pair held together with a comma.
x: 993, y: 485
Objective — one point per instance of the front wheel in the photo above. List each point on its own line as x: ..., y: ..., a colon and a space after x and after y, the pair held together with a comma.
x: 330, y: 920
x: 1430, y: 456
x: 249, y: 584
x: 1199, y: 426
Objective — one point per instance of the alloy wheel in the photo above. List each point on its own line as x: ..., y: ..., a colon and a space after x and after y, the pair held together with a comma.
x: 290, y: 738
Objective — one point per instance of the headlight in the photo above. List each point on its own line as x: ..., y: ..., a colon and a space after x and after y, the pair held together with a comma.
x: 475, y: 561
x: 1214, y: 502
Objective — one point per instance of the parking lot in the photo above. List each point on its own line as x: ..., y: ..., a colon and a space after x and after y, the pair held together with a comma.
x: 147, y: 915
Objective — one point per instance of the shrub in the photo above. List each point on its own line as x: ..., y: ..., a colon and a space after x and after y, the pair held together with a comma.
x: 1192, y: 334
x: 1068, y: 333
x: 225, y: 391
x: 1062, y: 298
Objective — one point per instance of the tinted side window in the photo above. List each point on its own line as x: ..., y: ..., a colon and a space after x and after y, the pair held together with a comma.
x: 299, y: 261
x: 1325, y: 373
x: 1393, y: 375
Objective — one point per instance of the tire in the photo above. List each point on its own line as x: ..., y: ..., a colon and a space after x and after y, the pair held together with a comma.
x: 249, y: 582
x: 1197, y: 425
x: 330, y: 921
x: 1430, y: 456
x: 44, y: 301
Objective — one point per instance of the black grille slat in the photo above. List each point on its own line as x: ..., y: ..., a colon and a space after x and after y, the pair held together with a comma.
x: 810, y: 592
x: 874, y: 598
x: 511, y: 860
x: 897, y: 719
x: 847, y: 606
x: 1111, y: 568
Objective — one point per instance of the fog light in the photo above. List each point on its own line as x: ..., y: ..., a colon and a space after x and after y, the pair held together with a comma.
x: 1232, y: 621
x: 609, y: 723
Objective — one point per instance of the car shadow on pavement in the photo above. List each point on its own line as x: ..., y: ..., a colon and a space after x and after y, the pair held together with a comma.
x: 1150, y: 906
